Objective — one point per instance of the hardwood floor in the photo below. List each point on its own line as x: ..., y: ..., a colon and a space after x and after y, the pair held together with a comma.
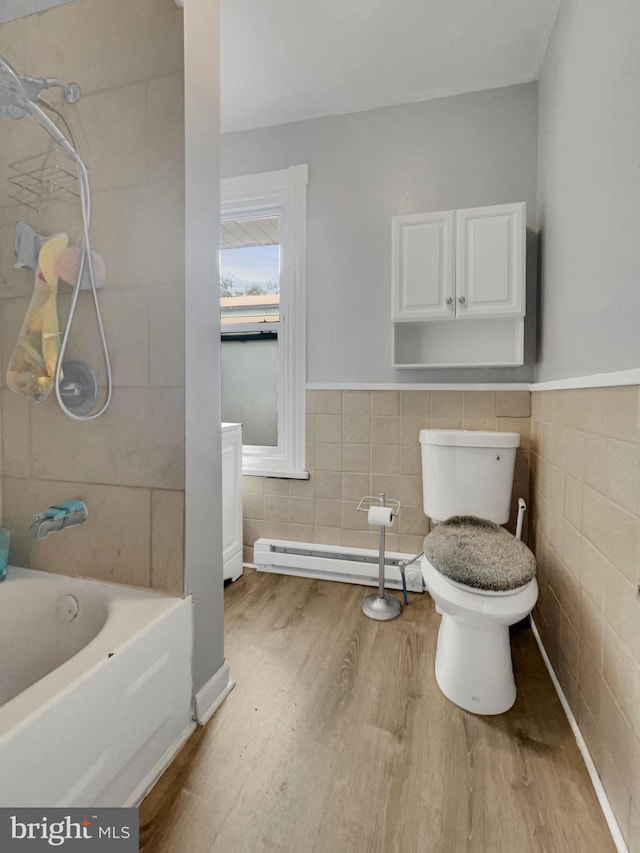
x: 337, y: 740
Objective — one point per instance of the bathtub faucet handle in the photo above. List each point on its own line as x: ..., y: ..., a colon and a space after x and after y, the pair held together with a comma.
x: 66, y: 514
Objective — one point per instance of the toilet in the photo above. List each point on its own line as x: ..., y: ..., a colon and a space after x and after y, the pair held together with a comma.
x: 481, y: 578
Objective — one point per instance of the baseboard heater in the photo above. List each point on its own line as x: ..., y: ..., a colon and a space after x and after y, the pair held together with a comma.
x: 334, y: 563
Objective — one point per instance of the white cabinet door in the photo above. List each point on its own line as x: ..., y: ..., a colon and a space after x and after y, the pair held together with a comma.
x: 422, y: 258
x: 490, y: 261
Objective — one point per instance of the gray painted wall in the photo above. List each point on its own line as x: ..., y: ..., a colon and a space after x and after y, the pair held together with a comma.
x: 203, y: 492
x: 364, y: 168
x: 589, y: 191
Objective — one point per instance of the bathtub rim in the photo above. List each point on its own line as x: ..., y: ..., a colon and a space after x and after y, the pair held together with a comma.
x: 117, y: 633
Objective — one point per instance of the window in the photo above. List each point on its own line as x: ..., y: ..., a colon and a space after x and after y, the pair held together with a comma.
x: 250, y: 319
x: 262, y: 301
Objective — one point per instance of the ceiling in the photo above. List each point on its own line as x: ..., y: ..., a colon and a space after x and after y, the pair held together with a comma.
x: 10, y: 9
x: 242, y: 233
x: 286, y: 60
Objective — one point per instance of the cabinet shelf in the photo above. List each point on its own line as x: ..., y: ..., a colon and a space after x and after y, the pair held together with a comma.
x: 451, y: 343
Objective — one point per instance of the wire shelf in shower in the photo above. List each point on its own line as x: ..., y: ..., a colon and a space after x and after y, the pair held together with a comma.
x: 42, y: 179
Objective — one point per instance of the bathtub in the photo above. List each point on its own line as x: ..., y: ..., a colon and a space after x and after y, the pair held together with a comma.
x: 95, y: 689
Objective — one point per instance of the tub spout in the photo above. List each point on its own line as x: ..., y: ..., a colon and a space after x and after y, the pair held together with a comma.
x: 66, y: 514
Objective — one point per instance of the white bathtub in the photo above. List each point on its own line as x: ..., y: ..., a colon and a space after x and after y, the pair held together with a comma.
x: 95, y: 689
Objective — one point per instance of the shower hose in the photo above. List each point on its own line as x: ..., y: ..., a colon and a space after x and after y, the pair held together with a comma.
x: 85, y: 262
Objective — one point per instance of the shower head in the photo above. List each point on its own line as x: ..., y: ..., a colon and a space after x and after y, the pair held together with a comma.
x: 19, y: 96
x: 13, y: 97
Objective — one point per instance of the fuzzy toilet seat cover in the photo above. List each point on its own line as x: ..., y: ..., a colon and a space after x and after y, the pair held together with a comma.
x: 480, y: 554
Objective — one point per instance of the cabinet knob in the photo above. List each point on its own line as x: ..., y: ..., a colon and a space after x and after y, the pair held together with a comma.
x: 448, y: 300
x: 461, y: 300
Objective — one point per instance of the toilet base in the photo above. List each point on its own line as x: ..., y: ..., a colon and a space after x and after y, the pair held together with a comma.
x: 473, y: 666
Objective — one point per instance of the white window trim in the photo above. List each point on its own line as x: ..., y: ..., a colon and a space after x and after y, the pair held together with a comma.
x: 284, y: 192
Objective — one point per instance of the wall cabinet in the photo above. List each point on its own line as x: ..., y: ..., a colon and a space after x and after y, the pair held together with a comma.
x: 231, y: 501
x: 459, y: 287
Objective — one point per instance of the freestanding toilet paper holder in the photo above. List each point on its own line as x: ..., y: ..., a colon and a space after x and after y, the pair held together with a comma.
x: 382, y: 606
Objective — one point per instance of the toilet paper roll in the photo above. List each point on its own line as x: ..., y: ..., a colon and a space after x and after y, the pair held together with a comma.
x: 380, y: 516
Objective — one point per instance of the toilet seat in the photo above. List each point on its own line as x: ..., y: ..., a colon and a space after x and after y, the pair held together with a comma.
x: 478, y: 553
x: 474, y: 605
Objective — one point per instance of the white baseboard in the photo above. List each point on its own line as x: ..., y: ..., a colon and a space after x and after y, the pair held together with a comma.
x: 605, y: 805
x: 152, y: 777
x: 207, y: 701
x: 212, y: 695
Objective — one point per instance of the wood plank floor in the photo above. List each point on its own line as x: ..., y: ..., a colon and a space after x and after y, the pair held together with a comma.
x: 337, y: 740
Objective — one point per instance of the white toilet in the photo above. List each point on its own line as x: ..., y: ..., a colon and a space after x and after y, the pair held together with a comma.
x: 480, y: 577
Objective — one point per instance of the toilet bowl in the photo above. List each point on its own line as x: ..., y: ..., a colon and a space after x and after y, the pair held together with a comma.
x: 480, y: 586
x: 473, y: 657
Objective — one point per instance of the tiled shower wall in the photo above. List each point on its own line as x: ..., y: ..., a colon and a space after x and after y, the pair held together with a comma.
x: 585, y: 461
x: 365, y: 442
x: 128, y: 465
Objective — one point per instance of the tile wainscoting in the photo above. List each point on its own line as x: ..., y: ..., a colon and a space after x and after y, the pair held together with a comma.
x: 585, y: 460
x: 364, y: 442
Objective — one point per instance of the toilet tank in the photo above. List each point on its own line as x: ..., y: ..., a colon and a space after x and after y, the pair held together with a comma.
x: 467, y: 472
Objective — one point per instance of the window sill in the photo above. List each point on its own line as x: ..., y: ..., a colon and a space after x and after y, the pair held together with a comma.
x: 269, y: 472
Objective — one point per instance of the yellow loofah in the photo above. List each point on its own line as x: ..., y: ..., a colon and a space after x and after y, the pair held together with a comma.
x: 33, y: 362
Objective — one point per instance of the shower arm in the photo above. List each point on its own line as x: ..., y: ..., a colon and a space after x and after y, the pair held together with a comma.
x: 34, y: 86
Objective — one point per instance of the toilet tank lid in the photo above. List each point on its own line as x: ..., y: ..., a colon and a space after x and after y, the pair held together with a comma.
x: 469, y: 438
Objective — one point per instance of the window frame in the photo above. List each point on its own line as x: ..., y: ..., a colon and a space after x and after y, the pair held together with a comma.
x: 282, y: 193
